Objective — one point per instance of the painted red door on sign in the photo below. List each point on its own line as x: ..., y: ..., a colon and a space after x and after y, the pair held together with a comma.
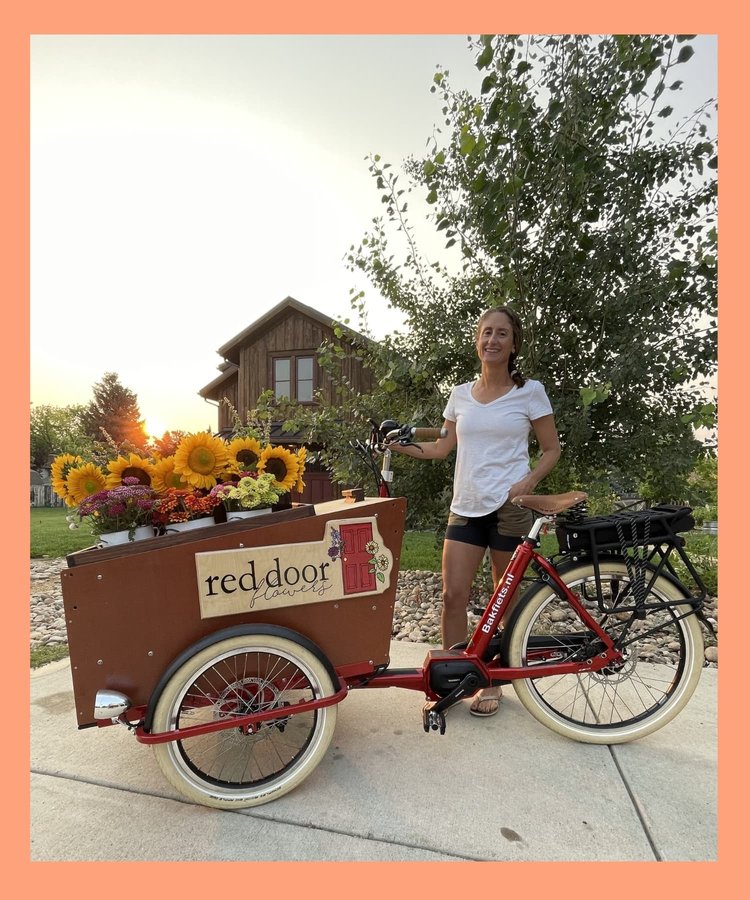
x: 356, y: 559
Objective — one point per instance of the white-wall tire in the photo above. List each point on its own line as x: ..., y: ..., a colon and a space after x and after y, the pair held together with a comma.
x: 630, y: 701
x: 247, y: 672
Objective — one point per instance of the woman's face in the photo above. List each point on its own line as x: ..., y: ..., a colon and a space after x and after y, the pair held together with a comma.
x: 495, y: 340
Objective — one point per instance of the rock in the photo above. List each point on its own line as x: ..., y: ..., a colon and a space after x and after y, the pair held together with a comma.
x: 712, y: 654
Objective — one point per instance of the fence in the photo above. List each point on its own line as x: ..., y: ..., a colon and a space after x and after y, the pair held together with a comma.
x: 43, y: 495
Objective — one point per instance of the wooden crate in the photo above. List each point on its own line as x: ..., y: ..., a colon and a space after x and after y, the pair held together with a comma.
x: 131, y: 610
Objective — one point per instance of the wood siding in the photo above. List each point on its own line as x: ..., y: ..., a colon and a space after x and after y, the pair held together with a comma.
x: 291, y: 333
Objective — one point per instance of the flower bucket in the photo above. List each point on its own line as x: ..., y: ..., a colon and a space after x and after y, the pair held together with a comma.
x: 236, y: 515
x: 190, y: 525
x: 141, y: 533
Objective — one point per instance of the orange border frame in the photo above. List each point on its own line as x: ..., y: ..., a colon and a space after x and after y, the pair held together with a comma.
x: 388, y: 16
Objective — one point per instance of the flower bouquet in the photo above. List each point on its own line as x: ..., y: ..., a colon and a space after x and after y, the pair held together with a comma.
x: 205, y: 473
x: 122, y: 509
x: 177, y: 506
x: 252, y: 491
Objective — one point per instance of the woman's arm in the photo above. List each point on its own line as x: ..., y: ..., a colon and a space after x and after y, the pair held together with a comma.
x: 549, y: 443
x: 438, y: 449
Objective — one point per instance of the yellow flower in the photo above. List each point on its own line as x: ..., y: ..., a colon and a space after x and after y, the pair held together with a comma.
x: 301, y: 455
x: 165, y: 477
x: 132, y: 466
x: 280, y: 463
x: 60, y: 470
x: 244, y: 454
x: 83, y: 481
x: 199, y: 458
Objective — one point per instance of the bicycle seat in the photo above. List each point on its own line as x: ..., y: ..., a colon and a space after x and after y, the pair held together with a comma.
x: 549, y: 504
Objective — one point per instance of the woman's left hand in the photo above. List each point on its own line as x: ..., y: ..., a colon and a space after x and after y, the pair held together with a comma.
x: 526, y: 485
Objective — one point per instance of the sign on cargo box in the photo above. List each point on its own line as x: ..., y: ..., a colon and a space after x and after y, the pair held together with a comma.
x: 350, y: 561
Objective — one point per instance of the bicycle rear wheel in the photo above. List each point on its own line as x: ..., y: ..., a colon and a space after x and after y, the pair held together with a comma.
x: 663, y: 656
x: 230, y: 769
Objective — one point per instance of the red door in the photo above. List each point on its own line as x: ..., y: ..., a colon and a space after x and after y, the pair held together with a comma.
x: 356, y: 559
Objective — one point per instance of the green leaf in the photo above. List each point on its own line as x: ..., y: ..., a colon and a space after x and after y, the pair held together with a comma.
x: 479, y: 182
x: 685, y: 54
x: 667, y: 111
x: 588, y: 396
x: 428, y: 167
x: 713, y: 163
x: 468, y: 143
x: 484, y: 58
x: 488, y: 83
x: 432, y: 196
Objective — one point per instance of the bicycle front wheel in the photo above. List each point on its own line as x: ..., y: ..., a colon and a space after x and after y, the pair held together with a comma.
x: 662, y: 650
x: 230, y: 768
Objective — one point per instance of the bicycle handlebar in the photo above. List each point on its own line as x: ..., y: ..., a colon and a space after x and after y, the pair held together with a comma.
x: 428, y: 434
x: 381, y: 437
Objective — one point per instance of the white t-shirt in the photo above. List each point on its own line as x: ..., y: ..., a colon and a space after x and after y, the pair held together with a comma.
x: 493, y: 444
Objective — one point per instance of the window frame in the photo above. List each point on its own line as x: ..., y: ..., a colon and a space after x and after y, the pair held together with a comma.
x: 294, y: 356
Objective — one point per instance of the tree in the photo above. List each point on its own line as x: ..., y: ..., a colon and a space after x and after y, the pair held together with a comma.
x: 114, y: 408
x: 55, y: 430
x: 558, y: 192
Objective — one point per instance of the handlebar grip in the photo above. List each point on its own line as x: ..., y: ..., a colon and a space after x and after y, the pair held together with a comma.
x: 428, y: 434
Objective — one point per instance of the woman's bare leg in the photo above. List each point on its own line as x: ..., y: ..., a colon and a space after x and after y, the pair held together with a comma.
x: 487, y: 699
x: 460, y: 563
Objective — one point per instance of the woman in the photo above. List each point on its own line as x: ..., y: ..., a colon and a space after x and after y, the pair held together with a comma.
x: 489, y: 420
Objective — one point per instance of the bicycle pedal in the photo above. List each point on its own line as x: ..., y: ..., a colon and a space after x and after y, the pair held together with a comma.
x: 433, y: 719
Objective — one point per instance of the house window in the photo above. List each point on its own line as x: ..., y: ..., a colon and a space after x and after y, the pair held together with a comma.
x: 294, y: 377
x: 304, y: 379
x: 282, y: 378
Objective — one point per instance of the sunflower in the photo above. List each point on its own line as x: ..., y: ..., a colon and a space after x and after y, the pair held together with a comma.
x: 199, y: 458
x: 244, y: 454
x: 282, y: 464
x: 60, y: 470
x: 301, y: 454
x: 85, y: 480
x: 132, y: 466
x: 164, y: 476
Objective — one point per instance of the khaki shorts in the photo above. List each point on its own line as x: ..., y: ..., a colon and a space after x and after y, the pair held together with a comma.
x: 502, y: 529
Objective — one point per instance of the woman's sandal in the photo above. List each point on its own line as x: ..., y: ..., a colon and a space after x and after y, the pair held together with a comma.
x: 479, y: 701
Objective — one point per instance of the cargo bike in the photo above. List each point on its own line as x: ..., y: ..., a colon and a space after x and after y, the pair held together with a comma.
x: 229, y: 647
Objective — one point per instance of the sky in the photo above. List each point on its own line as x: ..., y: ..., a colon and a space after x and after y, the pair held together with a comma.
x: 183, y: 185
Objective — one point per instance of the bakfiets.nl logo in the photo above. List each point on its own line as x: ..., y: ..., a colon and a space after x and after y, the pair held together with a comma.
x: 350, y: 560
x: 495, y: 609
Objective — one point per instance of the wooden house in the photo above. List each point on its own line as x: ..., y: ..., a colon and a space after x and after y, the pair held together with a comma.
x: 279, y: 352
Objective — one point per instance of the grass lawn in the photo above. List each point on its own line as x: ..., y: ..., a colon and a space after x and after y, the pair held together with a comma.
x: 50, y: 535
x: 422, y: 550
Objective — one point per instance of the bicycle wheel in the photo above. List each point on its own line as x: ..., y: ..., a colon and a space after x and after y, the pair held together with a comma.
x: 238, y: 675
x: 663, y: 656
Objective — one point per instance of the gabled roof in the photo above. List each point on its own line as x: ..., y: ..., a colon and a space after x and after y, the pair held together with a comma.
x: 259, y: 324
x: 228, y: 370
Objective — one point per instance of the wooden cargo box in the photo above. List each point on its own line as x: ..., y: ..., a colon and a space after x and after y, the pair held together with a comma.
x: 328, y: 572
